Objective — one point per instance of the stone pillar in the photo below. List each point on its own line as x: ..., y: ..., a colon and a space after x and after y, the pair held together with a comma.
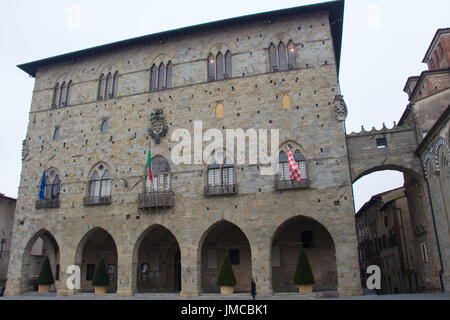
x: 66, y: 259
x: 262, y: 268
x: 348, y: 273
x: 16, y: 283
x: 190, y: 271
x: 125, y: 271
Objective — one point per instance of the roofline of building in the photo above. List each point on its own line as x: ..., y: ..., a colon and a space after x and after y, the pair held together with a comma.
x: 433, y: 130
x: 336, y: 16
x: 438, y: 33
x: 409, y: 80
x: 423, y: 75
x: 2, y: 196
x: 374, y: 199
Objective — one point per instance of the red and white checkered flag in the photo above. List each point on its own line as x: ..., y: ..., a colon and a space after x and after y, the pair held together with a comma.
x: 293, y: 168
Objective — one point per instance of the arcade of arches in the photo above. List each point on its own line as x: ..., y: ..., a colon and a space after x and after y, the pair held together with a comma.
x: 157, y: 264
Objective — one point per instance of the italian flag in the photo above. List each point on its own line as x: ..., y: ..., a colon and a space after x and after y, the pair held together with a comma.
x: 149, y: 165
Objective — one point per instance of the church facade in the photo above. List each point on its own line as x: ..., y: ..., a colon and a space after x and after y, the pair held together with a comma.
x: 97, y: 113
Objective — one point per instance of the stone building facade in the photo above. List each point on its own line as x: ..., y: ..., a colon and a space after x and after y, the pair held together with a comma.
x: 89, y: 129
x: 7, y: 209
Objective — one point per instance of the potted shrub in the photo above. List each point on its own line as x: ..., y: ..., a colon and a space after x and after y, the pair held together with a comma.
x: 101, y: 280
x: 303, y: 277
x: 226, y: 279
x: 45, y: 279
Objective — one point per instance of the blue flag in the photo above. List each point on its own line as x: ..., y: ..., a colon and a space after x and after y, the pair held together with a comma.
x: 42, y: 189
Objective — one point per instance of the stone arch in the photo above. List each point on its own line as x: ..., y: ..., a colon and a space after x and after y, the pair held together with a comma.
x: 213, y: 47
x: 440, y: 143
x: 212, y: 248
x: 95, y: 244
x: 61, y: 78
x: 158, y: 59
x: 167, y: 277
x: 48, y: 247
x: 408, y: 171
x: 107, y: 66
x: 302, y: 232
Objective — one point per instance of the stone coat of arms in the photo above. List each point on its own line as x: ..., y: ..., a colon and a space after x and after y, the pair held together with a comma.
x: 158, y: 127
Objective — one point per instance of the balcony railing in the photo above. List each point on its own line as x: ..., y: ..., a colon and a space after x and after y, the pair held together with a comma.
x: 95, y: 201
x: 155, y: 199
x: 281, y: 184
x: 220, y: 190
x: 47, y: 204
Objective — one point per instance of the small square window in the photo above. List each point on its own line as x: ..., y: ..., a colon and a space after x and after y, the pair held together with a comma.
x: 234, y: 257
x: 381, y: 143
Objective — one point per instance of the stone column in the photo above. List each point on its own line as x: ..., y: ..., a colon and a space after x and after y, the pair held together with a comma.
x: 66, y: 259
x: 262, y: 268
x: 190, y: 271
x: 348, y: 273
x: 125, y: 271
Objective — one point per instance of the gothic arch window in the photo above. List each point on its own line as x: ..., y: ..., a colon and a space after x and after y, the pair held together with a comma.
x: 273, y: 58
x: 228, y: 65
x: 161, y: 176
x: 115, y: 83
x: 48, y: 188
x: 69, y: 92
x: 56, y: 133
x: 108, y: 90
x: 283, y: 177
x: 211, y: 67
x: 104, y: 126
x: 161, y: 76
x: 56, y: 95
x: 282, y: 59
x: 99, y: 187
x: 169, y: 75
x: 63, y: 94
x: 56, y: 186
x: 221, y: 179
x: 219, y: 66
x: 153, y: 78
x: 101, y: 87
x: 292, y: 58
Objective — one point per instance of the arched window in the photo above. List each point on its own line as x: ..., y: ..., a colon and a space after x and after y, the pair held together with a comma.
x: 48, y: 188
x: 115, y: 83
x: 292, y: 60
x: 94, y: 185
x: 56, y: 95
x: 211, y: 67
x: 108, y: 91
x: 63, y: 94
x: 161, y: 76
x: 56, y: 187
x: 69, y: 92
x: 273, y: 58
x: 104, y: 126
x: 169, y: 75
x: 105, y: 189
x: 221, y: 179
x: 283, y: 177
x: 228, y: 65
x: 56, y: 133
x: 153, y: 78
x: 282, y: 56
x: 161, y: 176
x: 219, y: 66
x: 101, y: 87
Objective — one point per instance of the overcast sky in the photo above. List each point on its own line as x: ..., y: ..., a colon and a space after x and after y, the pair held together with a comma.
x: 384, y: 43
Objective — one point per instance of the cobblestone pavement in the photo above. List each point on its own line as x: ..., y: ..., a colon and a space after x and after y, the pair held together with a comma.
x: 243, y: 296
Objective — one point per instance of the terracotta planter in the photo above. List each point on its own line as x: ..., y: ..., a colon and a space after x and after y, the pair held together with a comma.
x: 100, y: 289
x: 305, y: 288
x: 226, y: 289
x: 43, y: 288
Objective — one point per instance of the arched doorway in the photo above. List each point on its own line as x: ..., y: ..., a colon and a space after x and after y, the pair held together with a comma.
x: 97, y: 244
x: 224, y: 237
x: 157, y: 261
x: 303, y: 233
x: 40, y: 246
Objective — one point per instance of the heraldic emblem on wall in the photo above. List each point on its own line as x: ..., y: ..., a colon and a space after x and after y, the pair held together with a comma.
x: 158, y: 125
x: 340, y: 108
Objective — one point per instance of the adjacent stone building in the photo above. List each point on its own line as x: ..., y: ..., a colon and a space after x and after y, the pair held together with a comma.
x: 7, y: 209
x: 96, y: 112
x: 385, y: 239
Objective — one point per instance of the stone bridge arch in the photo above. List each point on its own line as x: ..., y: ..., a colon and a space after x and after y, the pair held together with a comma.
x: 385, y: 149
